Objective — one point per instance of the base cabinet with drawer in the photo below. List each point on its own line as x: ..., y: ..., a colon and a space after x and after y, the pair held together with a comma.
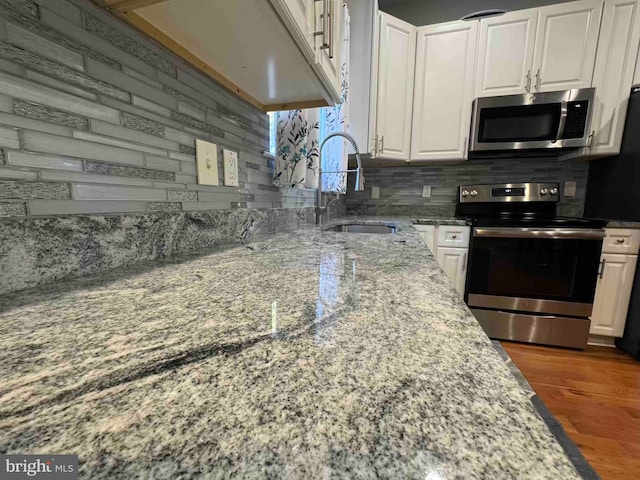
x: 450, y: 245
x: 613, y: 290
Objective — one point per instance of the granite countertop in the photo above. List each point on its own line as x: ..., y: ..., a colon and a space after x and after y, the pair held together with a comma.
x: 623, y: 224
x: 440, y: 221
x: 301, y: 355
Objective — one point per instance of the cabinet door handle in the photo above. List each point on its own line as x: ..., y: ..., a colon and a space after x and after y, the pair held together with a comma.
x: 528, y: 81
x: 381, y: 145
x: 466, y: 146
x: 374, y: 149
x: 603, y: 264
x: 538, y: 81
x: 325, y: 24
x: 331, y: 7
x: 590, y: 139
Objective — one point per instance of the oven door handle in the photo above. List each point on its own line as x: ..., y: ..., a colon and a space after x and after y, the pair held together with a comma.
x: 553, y: 233
x: 563, y: 121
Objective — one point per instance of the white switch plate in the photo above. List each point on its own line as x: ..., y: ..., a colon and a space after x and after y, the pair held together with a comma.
x: 207, y: 162
x: 230, y: 167
x: 375, y: 192
x: 426, y: 191
x: 570, y: 189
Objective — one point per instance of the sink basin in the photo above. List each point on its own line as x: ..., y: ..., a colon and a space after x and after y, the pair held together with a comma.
x: 355, y: 228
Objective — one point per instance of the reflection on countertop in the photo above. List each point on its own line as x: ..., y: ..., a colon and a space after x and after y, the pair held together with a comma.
x: 300, y: 355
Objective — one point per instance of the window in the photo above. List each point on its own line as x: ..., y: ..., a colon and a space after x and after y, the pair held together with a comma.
x: 272, y: 133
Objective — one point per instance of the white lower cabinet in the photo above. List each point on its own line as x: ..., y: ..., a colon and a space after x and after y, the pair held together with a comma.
x: 454, y: 263
x: 613, y: 293
x: 450, y: 245
x: 615, y: 282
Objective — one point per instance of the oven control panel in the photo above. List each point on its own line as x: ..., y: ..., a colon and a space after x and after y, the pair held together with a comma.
x: 509, y: 192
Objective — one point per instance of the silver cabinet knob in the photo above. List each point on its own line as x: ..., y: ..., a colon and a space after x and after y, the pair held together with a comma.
x: 620, y: 241
x: 474, y: 193
x: 553, y: 191
x: 454, y: 236
x: 544, y: 191
x: 465, y: 193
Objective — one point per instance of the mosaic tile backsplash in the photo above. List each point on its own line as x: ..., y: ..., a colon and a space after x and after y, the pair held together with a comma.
x: 96, y: 118
x: 401, y: 187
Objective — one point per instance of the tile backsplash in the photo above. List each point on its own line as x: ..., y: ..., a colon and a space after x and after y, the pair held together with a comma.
x: 401, y: 187
x: 96, y: 118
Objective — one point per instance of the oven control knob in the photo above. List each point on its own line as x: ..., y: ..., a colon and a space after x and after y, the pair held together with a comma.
x: 544, y: 191
x: 474, y: 193
x: 465, y: 193
x: 553, y: 191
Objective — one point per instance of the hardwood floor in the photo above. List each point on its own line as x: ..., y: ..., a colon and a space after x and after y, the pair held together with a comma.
x: 595, y: 395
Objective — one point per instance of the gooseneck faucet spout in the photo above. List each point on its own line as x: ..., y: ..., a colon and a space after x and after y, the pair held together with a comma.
x: 320, y: 209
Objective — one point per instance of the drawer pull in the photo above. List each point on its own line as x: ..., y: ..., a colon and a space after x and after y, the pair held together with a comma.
x: 454, y: 236
x: 620, y: 241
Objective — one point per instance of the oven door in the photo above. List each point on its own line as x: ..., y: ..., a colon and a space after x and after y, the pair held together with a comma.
x: 551, y: 120
x: 535, y: 270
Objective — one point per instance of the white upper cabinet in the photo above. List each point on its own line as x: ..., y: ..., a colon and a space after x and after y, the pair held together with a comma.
x: 566, y: 43
x: 445, y: 66
x: 396, y: 62
x: 329, y: 45
x: 363, y: 71
x: 299, y: 16
x: 505, y: 54
x: 613, y: 76
x: 316, y: 26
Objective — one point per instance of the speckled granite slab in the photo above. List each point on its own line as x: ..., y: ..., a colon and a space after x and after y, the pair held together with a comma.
x: 623, y: 224
x: 440, y: 221
x: 36, y: 251
x: 301, y: 355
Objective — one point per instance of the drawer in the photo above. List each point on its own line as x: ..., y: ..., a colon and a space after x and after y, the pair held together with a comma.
x: 456, y: 236
x: 623, y: 241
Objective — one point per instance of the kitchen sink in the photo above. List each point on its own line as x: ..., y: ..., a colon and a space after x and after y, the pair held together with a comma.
x: 357, y: 228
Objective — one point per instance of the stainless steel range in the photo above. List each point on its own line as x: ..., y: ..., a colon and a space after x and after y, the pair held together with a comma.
x: 532, y: 275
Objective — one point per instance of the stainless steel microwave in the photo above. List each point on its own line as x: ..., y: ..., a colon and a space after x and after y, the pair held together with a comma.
x: 534, y: 121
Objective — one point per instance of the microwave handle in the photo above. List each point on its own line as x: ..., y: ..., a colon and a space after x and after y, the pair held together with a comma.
x: 563, y: 121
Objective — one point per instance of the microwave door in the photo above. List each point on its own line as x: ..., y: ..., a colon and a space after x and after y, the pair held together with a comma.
x: 549, y: 120
x: 520, y: 127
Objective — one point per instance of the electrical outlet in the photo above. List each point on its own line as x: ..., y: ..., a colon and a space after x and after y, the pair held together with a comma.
x: 230, y: 167
x: 426, y: 191
x: 207, y: 162
x: 570, y: 189
x: 375, y: 192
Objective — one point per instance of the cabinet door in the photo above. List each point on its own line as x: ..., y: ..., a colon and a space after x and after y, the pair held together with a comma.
x: 505, y: 54
x: 613, y: 76
x: 445, y: 64
x: 299, y: 17
x: 396, y: 64
x: 566, y: 43
x: 454, y: 263
x: 330, y: 59
x: 613, y: 293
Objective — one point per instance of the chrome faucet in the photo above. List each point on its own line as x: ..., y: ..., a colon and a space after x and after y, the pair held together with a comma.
x: 320, y: 209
